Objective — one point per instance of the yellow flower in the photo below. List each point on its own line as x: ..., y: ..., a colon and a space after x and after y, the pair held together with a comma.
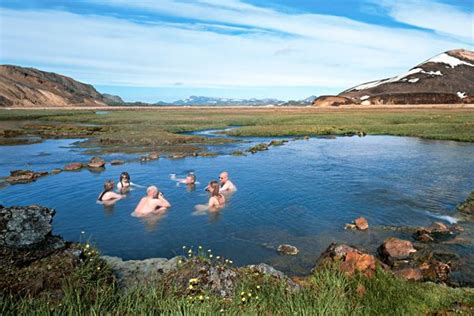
x: 180, y: 261
x: 256, y: 297
x: 242, y: 293
x: 190, y: 251
x: 194, y: 280
x: 87, y: 245
x: 190, y: 287
x: 218, y: 257
x: 230, y: 261
x: 249, y: 294
x: 243, y: 299
x: 210, y: 256
x: 209, y: 250
x: 98, y: 268
x: 200, y: 247
x: 258, y: 287
x: 201, y: 297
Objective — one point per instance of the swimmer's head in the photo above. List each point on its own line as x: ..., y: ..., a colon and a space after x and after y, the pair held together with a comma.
x: 124, y: 176
x: 223, y: 177
x: 108, y: 185
x: 190, y: 178
x: 152, y: 191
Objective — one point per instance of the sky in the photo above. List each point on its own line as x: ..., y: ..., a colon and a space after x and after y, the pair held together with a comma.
x: 151, y: 50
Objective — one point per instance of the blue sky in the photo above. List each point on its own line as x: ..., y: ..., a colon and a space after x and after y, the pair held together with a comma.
x: 150, y: 50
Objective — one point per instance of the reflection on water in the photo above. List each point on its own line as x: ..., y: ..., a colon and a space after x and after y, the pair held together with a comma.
x: 301, y: 193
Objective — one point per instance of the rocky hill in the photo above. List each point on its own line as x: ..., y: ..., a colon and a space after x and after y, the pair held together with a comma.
x: 447, y: 78
x: 24, y: 87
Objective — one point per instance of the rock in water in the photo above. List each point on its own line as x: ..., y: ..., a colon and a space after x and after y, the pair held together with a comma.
x: 435, y: 233
x: 24, y: 176
x: 117, y: 162
x: 361, y: 223
x: 286, y: 249
x: 73, y: 166
x: 22, y: 227
x: 467, y: 207
x: 96, y: 162
x: 395, y: 249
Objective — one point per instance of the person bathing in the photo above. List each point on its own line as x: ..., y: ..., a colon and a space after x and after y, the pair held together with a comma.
x: 226, y: 185
x: 190, y: 178
x: 124, y: 183
x: 108, y: 194
x: 153, y: 202
x: 217, y: 199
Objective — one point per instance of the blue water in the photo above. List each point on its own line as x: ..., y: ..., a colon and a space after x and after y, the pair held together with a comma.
x: 301, y: 193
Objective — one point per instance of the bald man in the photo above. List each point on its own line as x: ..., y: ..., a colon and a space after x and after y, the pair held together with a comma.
x: 226, y: 185
x: 153, y: 202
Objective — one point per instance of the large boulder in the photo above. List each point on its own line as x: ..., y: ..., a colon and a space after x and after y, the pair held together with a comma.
x: 286, y: 249
x: 96, y: 162
x: 24, y: 176
x: 437, y: 232
x: 394, y: 249
x: 26, y: 226
x: 197, y: 276
x: 73, y: 166
x: 133, y: 273
x: 351, y: 260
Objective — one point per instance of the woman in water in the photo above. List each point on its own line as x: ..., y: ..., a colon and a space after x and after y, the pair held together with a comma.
x: 108, y: 194
x: 217, y: 199
x: 124, y: 183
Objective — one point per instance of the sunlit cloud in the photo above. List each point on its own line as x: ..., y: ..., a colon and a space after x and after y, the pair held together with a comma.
x: 213, y: 44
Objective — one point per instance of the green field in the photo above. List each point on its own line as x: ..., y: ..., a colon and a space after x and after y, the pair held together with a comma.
x: 143, y: 130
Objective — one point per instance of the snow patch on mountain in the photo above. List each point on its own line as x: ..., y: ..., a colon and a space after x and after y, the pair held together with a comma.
x: 449, y: 60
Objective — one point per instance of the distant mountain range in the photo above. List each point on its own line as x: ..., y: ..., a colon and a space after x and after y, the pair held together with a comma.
x: 211, y: 101
x: 447, y: 78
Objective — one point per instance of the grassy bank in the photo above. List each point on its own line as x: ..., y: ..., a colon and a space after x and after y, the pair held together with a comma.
x: 159, y: 129
x: 326, y: 292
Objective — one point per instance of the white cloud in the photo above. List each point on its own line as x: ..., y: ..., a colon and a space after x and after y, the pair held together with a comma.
x: 439, y: 17
x: 322, y: 50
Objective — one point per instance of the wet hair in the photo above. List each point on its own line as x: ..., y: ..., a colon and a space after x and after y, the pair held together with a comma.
x: 108, y: 186
x: 124, y: 175
x: 214, y: 188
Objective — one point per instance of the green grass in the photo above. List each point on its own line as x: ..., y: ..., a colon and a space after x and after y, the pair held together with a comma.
x: 326, y: 292
x: 147, y: 130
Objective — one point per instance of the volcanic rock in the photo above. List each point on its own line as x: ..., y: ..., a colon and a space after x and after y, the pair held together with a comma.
x: 351, y: 260
x: 133, y: 273
x: 117, y: 162
x: 287, y: 250
x: 266, y: 269
x: 22, y: 227
x: 73, y: 166
x: 96, y: 162
x: 395, y: 249
x: 435, y: 233
x: 24, y: 176
x: 361, y: 223
x: 217, y: 279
